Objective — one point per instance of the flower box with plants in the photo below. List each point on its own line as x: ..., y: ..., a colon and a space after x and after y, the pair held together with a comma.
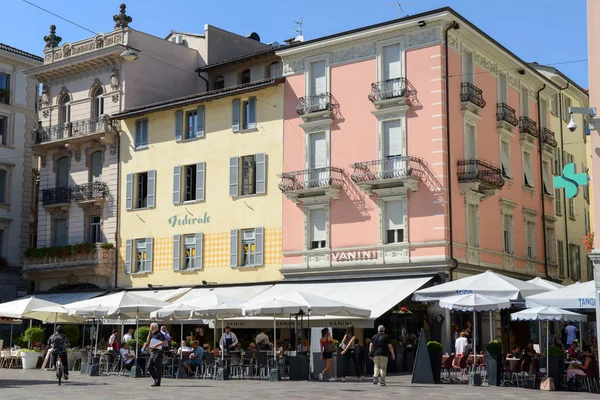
x: 588, y: 242
x: 30, y: 357
x: 494, y: 362
x: 69, y: 253
x: 435, y: 358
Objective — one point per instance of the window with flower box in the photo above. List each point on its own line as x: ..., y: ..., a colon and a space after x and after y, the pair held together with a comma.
x: 247, y: 247
x: 187, y: 252
x: 138, y: 255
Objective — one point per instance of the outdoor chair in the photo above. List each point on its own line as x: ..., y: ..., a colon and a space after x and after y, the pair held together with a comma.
x: 261, y: 365
x: 84, y: 362
x: 236, y: 370
x: 447, y: 368
x: 209, y: 365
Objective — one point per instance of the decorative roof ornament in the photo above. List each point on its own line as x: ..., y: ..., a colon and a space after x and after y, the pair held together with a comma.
x: 52, y: 40
x: 122, y: 20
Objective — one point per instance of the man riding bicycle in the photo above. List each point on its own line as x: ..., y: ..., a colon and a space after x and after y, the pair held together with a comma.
x: 58, y: 343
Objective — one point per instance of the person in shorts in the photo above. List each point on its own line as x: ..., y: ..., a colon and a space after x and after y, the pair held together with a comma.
x: 327, y: 349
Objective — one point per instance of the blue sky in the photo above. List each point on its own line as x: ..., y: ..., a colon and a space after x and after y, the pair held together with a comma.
x: 546, y: 31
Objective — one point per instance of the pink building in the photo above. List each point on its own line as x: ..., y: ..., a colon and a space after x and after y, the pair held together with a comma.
x: 406, y: 154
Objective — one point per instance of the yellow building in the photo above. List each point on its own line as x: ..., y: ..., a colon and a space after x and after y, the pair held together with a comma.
x: 199, y: 191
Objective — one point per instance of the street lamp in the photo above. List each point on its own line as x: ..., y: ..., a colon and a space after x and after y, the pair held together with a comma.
x: 129, y: 55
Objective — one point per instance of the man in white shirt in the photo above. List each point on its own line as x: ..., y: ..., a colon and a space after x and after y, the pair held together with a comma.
x: 262, y: 340
x: 229, y: 340
x: 461, y: 344
x: 128, y: 336
x: 113, y: 343
x: 571, y: 331
x: 129, y: 357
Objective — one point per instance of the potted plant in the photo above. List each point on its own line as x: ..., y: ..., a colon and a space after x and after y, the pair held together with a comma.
x: 35, y: 334
x: 556, y: 362
x: 30, y: 358
x: 141, y: 334
x: 435, y: 358
x: 494, y: 362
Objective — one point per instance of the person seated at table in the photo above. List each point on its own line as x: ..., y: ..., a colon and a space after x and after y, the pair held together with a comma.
x: 574, y: 349
x: 303, y: 345
x: 103, y: 344
x: 250, y: 351
x: 128, y: 357
x: 195, y: 358
x: 228, y: 340
x: 516, y: 352
x: 589, y: 364
x: 529, y: 351
x: 184, y: 348
x: 128, y: 336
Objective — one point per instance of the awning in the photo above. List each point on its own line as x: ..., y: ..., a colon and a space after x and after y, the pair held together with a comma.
x: 169, y: 295
x: 379, y: 296
x: 67, y: 297
x: 242, y: 293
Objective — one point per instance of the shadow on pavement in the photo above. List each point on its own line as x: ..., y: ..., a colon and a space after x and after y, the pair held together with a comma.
x: 18, y: 383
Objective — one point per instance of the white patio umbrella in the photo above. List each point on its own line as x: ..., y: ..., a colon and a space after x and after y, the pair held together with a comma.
x: 544, y: 313
x: 475, y: 302
x: 318, y: 305
x: 572, y: 297
x: 18, y: 308
x: 53, y: 314
x: 545, y: 283
x: 488, y: 283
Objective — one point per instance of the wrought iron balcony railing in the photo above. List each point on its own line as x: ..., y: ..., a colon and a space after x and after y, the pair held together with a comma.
x: 528, y: 126
x: 548, y: 137
x: 59, y: 195
x: 89, y: 191
x: 74, y: 129
x: 389, y: 89
x: 506, y: 113
x: 316, y: 178
x: 389, y: 168
x: 314, y: 103
x: 480, y: 171
x: 472, y: 94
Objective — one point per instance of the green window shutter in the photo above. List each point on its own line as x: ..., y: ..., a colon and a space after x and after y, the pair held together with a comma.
x: 176, y: 252
x: 129, y: 192
x: 259, y: 238
x: 198, y: 259
x: 128, y: 255
x: 233, y: 176
x: 233, y: 248
x: 177, y: 184
x: 235, y: 115
x: 148, y: 263
x: 152, y: 188
x: 261, y: 173
x: 178, y: 125
x: 200, y: 180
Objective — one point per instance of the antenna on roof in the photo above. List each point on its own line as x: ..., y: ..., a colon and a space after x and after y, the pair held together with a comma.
x: 398, y: 6
x: 298, y: 27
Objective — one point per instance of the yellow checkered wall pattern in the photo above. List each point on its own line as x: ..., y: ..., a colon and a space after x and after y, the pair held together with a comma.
x: 216, y: 250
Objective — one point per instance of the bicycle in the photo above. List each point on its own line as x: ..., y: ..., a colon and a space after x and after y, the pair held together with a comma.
x: 59, y: 369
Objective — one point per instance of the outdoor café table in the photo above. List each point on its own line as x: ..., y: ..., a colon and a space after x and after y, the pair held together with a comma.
x: 512, y: 362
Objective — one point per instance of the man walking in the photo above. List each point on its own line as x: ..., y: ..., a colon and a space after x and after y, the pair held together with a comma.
x: 379, y: 350
x: 155, y: 343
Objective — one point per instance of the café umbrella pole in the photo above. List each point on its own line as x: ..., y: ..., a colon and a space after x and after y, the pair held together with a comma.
x: 475, y: 337
x: 11, y: 334
x: 275, y: 339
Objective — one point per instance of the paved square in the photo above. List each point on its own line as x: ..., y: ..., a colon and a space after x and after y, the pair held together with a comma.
x: 36, y: 384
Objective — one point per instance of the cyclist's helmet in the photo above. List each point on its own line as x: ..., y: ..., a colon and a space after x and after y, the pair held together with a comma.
x: 59, y: 329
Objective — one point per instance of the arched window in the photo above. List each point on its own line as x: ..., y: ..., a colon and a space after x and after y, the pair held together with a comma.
x: 62, y: 172
x: 96, y: 166
x: 65, y: 109
x: 98, y: 105
x: 274, y: 70
x: 246, y: 76
x: 219, y: 82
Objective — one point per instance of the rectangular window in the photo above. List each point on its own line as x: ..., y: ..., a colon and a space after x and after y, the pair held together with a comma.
x: 575, y: 261
x: 141, y: 133
x: 392, y: 62
x: 547, y: 178
x: 95, y: 235
x: 191, y: 124
x: 392, y: 131
x: 248, y: 247
x: 248, y: 175
x: 505, y: 158
x: 472, y: 225
x: 554, y: 104
x: 189, y: 251
x: 557, y: 169
x: 561, y: 257
x: 4, y: 88
x: 318, y: 77
x: 507, y: 227
x: 543, y: 114
x: 527, y: 170
x: 550, y: 242
x: 318, y: 234
x: 530, y: 239
x: 3, y: 131
x: 142, y: 190
x: 60, y: 232
x: 141, y: 255
x: 3, y: 186
x: 586, y: 215
x: 571, y: 206
x: 470, y: 143
x: 524, y: 102
x: 189, y: 183
x: 558, y: 201
x: 394, y: 219
x: 566, y: 103
x: 468, y: 67
x: 502, y: 89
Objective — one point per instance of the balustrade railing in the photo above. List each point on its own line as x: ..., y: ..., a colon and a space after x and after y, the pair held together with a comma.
x: 388, y: 89
x: 89, y: 191
x: 388, y: 168
x: 316, y: 178
x: 472, y: 94
x: 314, y: 103
x: 480, y: 171
x: 74, y: 129
x: 506, y: 113
x: 528, y: 126
x: 59, y: 195
x: 548, y: 137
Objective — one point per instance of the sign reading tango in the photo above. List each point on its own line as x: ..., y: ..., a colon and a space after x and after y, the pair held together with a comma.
x: 176, y: 220
x: 354, y: 255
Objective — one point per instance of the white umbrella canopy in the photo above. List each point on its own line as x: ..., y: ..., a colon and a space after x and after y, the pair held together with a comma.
x: 488, y: 283
x: 545, y: 284
x: 212, y: 305
x: 544, y: 313
x: 18, y: 308
x: 575, y: 296
x: 474, y: 302
x: 318, y: 305
x: 121, y: 304
x: 53, y: 314
x: 89, y: 312
x: 273, y: 307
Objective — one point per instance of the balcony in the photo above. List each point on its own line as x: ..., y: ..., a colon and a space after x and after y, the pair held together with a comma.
x: 472, y: 98
x: 314, y: 106
x: 76, y: 133
x: 90, y: 194
x: 312, y: 185
x: 528, y: 129
x: 56, y: 197
x: 389, y: 173
x: 548, y: 138
x: 505, y: 115
x: 391, y: 91
x: 83, y: 255
x: 479, y: 176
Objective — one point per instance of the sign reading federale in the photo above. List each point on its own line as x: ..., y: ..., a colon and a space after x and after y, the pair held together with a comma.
x: 188, y: 220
